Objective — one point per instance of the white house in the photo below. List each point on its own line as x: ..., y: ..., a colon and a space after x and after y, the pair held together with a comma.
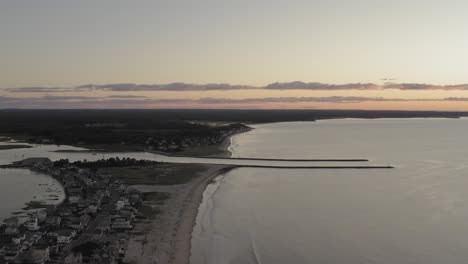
x: 65, y: 236
x: 32, y: 224
x: 119, y: 205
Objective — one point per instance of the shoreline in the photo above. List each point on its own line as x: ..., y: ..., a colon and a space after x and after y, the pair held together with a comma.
x: 168, y: 239
x: 32, y: 205
x: 182, y: 252
x: 183, y: 248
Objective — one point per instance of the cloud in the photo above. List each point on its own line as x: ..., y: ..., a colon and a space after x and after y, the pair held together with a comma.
x: 321, y: 86
x: 127, y: 96
x: 424, y: 86
x: 46, y: 89
x: 330, y: 99
x: 169, y: 87
x: 409, y: 86
x: 131, y: 87
x: 457, y: 99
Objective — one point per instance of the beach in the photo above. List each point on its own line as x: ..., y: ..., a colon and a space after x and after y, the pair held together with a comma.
x: 167, y: 239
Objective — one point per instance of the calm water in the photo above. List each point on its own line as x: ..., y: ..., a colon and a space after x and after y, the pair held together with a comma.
x: 416, y: 213
x: 18, y: 186
x: 50, y: 151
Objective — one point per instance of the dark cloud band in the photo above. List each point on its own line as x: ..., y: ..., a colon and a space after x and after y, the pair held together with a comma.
x: 129, y: 87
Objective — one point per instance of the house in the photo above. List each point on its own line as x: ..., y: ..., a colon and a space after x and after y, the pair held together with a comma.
x: 74, y: 198
x: 73, y: 258
x: 18, y: 239
x: 12, y: 221
x: 121, y: 224
x: 75, y: 188
x: 32, y: 224
x: 65, y: 236
x: 12, y: 224
x: 104, y: 225
x: 76, y: 222
x: 34, y: 237
x: 119, y: 205
x: 11, y: 251
x: 53, y: 220
x: 11, y: 230
x: 127, y: 214
x: 83, y: 204
x: 64, y: 212
x: 41, y: 215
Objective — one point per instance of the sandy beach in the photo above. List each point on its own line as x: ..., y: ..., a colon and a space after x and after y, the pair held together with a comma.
x: 167, y: 239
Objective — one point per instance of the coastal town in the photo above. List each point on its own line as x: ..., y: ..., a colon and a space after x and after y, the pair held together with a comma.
x: 90, y: 226
x: 104, y: 217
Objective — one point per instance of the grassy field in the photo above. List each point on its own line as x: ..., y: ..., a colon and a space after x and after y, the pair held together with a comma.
x: 6, y: 147
x: 155, y: 174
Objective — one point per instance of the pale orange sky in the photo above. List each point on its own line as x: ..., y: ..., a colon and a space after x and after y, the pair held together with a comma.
x: 51, y: 43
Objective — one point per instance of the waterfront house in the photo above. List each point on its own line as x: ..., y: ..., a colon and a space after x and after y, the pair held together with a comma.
x: 12, y: 221
x: 11, y: 230
x: 41, y: 215
x: 18, y: 239
x: 32, y: 224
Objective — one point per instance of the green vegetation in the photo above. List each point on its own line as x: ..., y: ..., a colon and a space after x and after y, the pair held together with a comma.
x: 35, y: 205
x: 149, y: 211
x: 6, y: 147
x: 111, y: 129
x: 156, y: 196
x: 162, y: 130
x: 156, y: 174
x: 104, y: 163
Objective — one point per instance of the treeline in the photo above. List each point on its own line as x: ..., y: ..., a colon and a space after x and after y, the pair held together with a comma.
x: 104, y: 163
x: 150, y: 117
x: 131, y: 128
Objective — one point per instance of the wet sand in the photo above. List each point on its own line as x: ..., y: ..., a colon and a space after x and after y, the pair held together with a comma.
x: 167, y: 239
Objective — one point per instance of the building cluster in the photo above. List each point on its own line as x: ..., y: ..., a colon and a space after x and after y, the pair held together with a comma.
x: 174, y: 143
x: 97, y: 209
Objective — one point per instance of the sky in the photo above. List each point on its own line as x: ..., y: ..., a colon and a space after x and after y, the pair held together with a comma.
x: 314, y: 54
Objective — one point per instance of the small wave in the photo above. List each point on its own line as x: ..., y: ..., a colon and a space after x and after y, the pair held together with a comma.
x: 255, y: 252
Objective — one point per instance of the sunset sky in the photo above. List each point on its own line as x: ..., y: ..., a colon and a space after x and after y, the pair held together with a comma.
x: 333, y: 54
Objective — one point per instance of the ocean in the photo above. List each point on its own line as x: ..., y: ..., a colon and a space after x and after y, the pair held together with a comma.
x: 414, y: 213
